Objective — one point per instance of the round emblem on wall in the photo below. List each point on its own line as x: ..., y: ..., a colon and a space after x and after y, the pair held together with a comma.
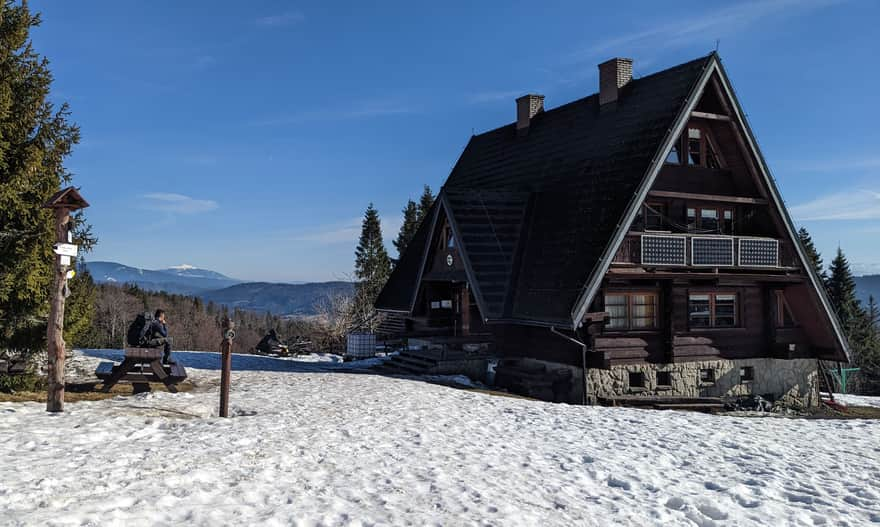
x: 449, y: 260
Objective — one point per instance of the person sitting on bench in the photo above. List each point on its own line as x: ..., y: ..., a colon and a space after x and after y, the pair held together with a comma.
x: 157, y: 336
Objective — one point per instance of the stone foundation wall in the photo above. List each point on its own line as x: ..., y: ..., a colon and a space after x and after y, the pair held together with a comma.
x: 795, y: 381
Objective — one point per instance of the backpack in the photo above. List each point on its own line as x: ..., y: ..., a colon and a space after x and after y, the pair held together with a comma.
x: 137, y: 331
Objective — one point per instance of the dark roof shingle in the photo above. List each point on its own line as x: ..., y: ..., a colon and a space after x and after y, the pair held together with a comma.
x: 536, y: 211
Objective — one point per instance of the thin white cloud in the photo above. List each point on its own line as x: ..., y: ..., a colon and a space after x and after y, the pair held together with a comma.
x: 363, y: 110
x: 202, y: 62
x: 347, y: 232
x: 282, y: 19
x: 493, y: 96
x: 708, y: 26
x: 856, y: 204
x: 177, y: 203
x: 863, y: 268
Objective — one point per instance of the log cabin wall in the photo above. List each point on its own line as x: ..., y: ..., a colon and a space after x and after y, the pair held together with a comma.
x: 517, y: 341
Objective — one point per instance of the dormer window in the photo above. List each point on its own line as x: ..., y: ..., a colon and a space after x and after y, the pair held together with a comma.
x: 697, y: 149
x: 700, y: 149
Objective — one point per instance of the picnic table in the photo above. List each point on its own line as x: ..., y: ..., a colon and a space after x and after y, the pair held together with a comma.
x: 140, y: 367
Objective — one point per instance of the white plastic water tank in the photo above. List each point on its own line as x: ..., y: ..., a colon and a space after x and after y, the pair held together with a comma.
x: 360, y: 346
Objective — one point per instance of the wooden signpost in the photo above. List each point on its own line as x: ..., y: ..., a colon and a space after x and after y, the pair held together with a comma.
x: 226, y: 364
x: 63, y: 203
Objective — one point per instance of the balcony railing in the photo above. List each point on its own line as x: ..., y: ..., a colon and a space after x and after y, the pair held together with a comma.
x: 697, y: 250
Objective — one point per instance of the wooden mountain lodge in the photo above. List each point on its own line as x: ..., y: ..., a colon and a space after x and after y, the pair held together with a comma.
x: 628, y: 244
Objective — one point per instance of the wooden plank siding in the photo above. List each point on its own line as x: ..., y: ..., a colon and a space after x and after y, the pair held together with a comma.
x: 754, y: 336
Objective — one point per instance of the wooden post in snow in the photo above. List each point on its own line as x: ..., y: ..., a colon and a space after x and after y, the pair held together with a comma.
x: 226, y: 365
x: 63, y: 203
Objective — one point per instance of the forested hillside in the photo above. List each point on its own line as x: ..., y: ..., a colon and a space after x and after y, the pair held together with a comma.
x: 194, y: 324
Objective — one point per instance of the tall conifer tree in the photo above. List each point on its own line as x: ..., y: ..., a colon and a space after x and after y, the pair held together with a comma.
x: 425, y: 203
x: 372, y: 265
x: 35, y: 139
x: 408, y: 228
x: 813, y: 254
x: 842, y: 290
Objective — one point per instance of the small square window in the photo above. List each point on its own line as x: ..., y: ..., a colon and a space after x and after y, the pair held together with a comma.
x: 446, y: 304
x: 435, y: 305
x: 747, y: 374
x: 707, y: 375
x: 636, y: 379
x: 664, y: 378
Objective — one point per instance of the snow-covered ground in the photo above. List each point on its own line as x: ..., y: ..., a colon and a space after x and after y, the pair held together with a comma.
x: 318, y: 443
x: 857, y: 400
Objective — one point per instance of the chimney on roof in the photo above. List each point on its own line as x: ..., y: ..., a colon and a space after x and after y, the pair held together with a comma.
x: 613, y: 75
x: 527, y: 107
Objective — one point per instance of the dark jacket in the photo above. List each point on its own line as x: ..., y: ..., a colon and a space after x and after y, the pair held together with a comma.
x: 158, y: 329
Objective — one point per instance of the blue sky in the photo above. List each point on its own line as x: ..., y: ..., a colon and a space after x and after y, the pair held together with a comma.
x: 248, y: 137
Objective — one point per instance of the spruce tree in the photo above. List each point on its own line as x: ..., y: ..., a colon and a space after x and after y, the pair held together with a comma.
x: 408, y: 228
x: 372, y: 265
x: 79, y: 309
x: 873, y: 313
x: 842, y: 291
x: 815, y: 259
x: 35, y: 139
x: 425, y: 203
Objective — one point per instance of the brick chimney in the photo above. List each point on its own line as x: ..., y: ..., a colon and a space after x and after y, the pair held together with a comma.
x: 613, y: 75
x: 527, y: 107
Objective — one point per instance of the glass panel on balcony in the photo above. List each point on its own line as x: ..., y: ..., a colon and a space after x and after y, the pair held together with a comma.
x: 712, y: 251
x: 709, y: 220
x: 754, y: 252
x: 663, y: 250
x: 654, y: 217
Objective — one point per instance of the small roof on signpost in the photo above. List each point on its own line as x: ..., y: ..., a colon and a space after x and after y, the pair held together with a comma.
x: 68, y: 198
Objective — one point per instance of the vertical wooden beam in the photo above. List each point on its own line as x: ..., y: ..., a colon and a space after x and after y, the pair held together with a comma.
x: 667, y: 297
x: 225, y: 370
x: 226, y: 365
x: 55, y: 326
x: 465, y: 302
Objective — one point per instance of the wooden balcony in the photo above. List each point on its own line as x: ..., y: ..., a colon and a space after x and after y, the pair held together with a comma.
x: 705, y: 251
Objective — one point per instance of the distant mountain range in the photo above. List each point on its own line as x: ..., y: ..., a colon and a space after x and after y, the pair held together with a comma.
x: 281, y: 299
x: 182, y: 280
x: 211, y: 286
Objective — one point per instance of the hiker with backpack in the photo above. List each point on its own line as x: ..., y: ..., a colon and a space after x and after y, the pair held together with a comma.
x: 151, y: 331
x: 158, y: 336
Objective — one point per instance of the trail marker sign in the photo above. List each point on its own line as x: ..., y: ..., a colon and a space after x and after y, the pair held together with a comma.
x: 65, y: 249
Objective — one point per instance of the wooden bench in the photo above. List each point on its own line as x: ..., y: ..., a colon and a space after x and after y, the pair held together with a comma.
x: 140, y: 367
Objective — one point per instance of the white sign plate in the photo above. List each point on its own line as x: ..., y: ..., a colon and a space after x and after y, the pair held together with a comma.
x: 65, y: 260
x: 65, y: 249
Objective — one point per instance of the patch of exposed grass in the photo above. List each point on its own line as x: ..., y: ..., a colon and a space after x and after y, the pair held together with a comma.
x: 89, y: 391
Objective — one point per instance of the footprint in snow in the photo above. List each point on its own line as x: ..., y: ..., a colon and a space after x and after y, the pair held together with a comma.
x: 619, y: 483
x: 712, y: 511
x: 711, y: 485
x: 676, y: 504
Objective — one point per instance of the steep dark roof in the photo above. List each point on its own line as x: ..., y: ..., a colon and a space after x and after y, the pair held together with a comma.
x: 535, y: 212
x: 400, y: 290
